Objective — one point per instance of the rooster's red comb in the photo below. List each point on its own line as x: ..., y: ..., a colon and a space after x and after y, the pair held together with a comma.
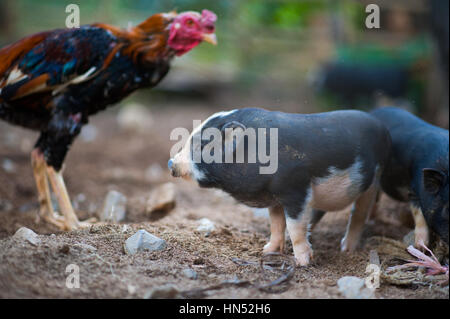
x: 208, y: 17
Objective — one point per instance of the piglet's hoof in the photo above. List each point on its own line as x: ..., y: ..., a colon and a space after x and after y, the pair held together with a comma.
x: 303, y: 256
x: 348, y: 246
x: 273, y: 248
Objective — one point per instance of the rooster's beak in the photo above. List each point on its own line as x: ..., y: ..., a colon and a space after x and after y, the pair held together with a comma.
x: 210, y: 38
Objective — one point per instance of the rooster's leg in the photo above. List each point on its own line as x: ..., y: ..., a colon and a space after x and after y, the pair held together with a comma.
x: 45, y: 203
x: 70, y: 219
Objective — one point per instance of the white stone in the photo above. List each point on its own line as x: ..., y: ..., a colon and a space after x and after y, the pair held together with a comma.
x: 143, y: 240
x: 25, y: 234
x: 161, y: 198
x: 131, y: 289
x: 114, y: 207
x: 206, y: 225
x: 354, y: 288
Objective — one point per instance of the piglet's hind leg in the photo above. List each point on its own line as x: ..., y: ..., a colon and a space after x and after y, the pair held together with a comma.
x: 360, y: 211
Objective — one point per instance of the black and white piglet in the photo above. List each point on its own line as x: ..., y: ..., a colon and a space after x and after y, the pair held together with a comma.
x: 418, y: 170
x: 306, y: 164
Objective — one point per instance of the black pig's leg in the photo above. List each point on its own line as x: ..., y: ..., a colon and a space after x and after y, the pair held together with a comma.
x: 360, y: 211
x: 277, y: 230
x: 421, y: 233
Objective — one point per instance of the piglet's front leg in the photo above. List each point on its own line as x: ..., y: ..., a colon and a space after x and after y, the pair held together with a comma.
x: 298, y: 231
x: 277, y: 230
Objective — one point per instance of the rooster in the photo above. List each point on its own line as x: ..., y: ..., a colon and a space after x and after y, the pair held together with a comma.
x: 53, y: 81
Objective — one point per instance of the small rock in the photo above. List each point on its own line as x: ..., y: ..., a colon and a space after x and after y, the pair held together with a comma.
x: 206, y: 226
x: 26, y: 234
x: 135, y: 118
x: 189, y: 273
x: 114, y: 208
x: 131, y: 289
x: 143, y: 240
x: 8, y: 166
x: 163, y: 292
x: 354, y: 288
x: 162, y: 199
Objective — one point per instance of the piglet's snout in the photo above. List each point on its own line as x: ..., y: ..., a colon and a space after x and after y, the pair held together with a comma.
x: 177, y: 167
x: 171, y: 166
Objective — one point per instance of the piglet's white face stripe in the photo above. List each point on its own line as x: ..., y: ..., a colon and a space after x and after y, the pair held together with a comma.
x: 186, y: 152
x: 199, y: 127
x: 220, y: 114
x: 183, y: 160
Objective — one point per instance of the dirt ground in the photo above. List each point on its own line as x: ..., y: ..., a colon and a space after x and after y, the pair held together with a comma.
x: 118, y: 159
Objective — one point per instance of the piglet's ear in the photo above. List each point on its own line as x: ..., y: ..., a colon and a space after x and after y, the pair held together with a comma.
x: 433, y: 180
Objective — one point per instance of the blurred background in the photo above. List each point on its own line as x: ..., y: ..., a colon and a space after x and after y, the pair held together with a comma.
x: 293, y: 55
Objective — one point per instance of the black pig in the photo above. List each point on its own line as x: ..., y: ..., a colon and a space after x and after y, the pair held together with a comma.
x: 318, y: 163
x: 418, y: 170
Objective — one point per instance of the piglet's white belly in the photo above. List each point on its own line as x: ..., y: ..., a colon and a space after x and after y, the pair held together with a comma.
x: 337, y: 190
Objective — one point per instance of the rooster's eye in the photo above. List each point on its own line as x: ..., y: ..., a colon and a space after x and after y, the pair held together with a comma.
x: 210, y: 29
x: 189, y: 22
